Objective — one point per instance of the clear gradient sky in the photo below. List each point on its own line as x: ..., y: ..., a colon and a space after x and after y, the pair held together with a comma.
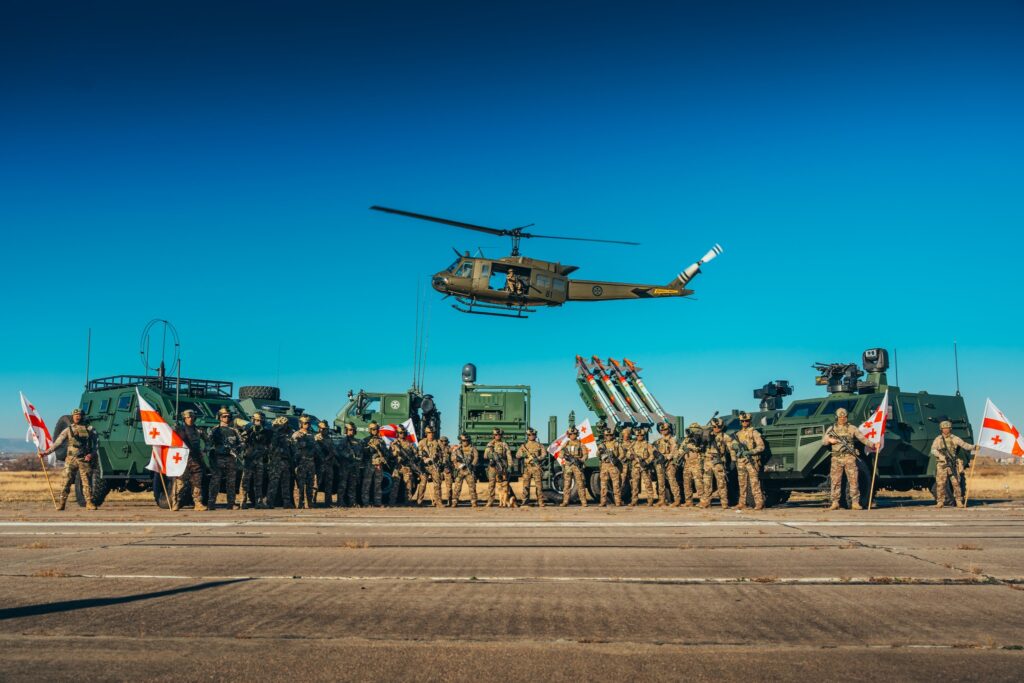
x: 862, y: 163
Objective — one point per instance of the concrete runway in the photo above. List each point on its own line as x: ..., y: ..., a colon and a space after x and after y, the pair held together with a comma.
x: 902, y: 593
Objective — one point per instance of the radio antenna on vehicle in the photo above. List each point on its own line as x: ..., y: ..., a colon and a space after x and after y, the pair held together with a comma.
x: 88, y: 356
x: 956, y: 366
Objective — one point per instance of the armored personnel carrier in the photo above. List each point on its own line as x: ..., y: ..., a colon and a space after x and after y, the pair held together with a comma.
x: 268, y: 401
x: 797, y: 458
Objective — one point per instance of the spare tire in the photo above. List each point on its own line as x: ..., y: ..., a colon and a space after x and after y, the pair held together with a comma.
x: 259, y: 392
x: 61, y: 452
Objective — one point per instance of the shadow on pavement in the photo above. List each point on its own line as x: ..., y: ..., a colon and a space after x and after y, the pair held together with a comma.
x: 72, y: 605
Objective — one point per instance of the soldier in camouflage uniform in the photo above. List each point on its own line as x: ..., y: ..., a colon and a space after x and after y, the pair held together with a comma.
x: 642, y: 461
x: 945, y: 449
x: 498, y: 456
x: 693, y: 466
x: 328, y: 462
x: 626, y: 444
x: 377, y: 451
x: 611, y: 455
x: 280, y: 463
x: 668, y: 446
x: 80, y: 457
x: 532, y: 454
x: 749, y: 447
x: 446, y: 471
x: 350, y: 466
x: 257, y: 438
x: 844, y: 458
x: 225, y: 448
x: 305, y: 462
x: 433, y: 454
x: 403, y: 454
x: 464, y: 459
x: 192, y: 437
x: 716, y: 459
x: 574, y: 454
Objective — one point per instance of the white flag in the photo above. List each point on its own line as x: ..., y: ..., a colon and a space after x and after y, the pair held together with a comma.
x: 998, y: 434
x: 873, y: 428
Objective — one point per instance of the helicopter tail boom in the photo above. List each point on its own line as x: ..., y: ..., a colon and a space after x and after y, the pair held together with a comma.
x: 694, y: 269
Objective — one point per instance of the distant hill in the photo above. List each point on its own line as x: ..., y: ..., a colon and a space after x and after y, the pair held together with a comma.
x: 16, y: 446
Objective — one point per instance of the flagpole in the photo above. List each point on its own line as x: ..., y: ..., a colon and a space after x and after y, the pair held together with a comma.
x: 874, y: 473
x: 974, y: 462
x: 163, y: 485
x: 42, y: 465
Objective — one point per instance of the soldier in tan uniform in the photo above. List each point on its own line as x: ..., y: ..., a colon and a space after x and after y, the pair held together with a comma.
x: 498, y: 456
x: 81, y: 457
x: 464, y: 460
x: 844, y: 458
x: 626, y: 444
x: 641, y: 461
x: 532, y: 454
x: 611, y: 455
x: 945, y: 448
x: 403, y: 453
x: 668, y: 446
x: 693, y: 465
x: 574, y: 454
x: 749, y: 447
x: 433, y: 454
x: 716, y: 459
x: 375, y: 448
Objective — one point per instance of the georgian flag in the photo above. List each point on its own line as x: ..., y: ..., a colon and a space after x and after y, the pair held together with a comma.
x: 998, y: 434
x: 170, y: 454
x: 873, y: 429
x: 586, y: 438
x: 37, y: 431
x: 390, y: 432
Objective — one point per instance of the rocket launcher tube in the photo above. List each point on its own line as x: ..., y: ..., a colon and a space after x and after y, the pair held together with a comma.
x: 614, y: 390
x: 634, y: 375
x: 595, y: 391
x: 634, y: 400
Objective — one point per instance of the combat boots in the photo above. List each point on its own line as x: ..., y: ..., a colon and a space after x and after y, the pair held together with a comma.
x: 63, y: 502
x: 961, y: 504
x: 856, y: 506
x: 759, y: 506
x: 90, y: 505
x: 833, y: 506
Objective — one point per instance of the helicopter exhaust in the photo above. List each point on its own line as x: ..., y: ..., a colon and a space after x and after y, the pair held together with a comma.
x: 693, y: 270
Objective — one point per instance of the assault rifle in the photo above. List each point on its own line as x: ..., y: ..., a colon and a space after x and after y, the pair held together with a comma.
x: 846, y: 446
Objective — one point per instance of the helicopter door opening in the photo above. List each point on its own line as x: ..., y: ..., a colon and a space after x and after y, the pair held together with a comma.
x: 509, y: 279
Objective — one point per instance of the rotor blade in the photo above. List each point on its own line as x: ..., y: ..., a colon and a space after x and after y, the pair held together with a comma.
x: 457, y: 224
x: 580, y: 239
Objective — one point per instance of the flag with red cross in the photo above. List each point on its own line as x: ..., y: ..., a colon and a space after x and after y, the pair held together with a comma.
x: 873, y: 428
x: 998, y: 434
x: 170, y: 455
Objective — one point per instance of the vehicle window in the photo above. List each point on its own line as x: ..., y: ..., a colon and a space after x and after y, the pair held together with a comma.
x: 909, y: 407
x: 85, y: 406
x: 833, y: 406
x: 104, y: 404
x: 125, y: 402
x: 803, y: 409
x: 543, y: 282
x: 485, y: 269
x: 370, y: 406
x: 465, y: 271
x: 452, y: 267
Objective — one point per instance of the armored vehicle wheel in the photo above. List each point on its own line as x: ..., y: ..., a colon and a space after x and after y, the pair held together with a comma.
x: 775, y: 497
x: 61, y: 451
x: 158, y: 491
x: 100, y: 489
x: 259, y: 392
x: 386, y: 482
x: 594, y: 480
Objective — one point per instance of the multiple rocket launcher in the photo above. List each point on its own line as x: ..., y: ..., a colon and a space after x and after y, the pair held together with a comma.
x: 618, y: 394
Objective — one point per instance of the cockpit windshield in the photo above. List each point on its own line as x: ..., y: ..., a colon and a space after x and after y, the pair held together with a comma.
x: 453, y: 266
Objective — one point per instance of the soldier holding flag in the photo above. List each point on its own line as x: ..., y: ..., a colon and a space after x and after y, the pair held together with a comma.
x: 81, y: 456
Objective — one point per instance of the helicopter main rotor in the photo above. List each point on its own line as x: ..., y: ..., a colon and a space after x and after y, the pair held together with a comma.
x: 515, y: 233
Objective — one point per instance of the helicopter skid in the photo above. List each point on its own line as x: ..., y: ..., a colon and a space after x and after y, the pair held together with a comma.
x: 500, y: 310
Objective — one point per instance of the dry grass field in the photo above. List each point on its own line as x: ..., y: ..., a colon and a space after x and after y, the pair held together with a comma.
x: 990, y: 481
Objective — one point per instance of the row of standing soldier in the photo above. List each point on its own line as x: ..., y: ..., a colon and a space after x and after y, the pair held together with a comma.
x: 350, y: 472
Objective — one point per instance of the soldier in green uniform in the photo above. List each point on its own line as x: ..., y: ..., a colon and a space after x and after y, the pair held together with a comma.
x: 948, y: 467
x: 192, y: 437
x: 305, y: 461
x: 642, y: 462
x: 325, y: 476
x: 610, y: 453
x: 844, y: 458
x: 716, y: 459
x: 352, y: 457
x: 668, y: 474
x: 80, y: 458
x: 749, y: 447
x: 433, y: 455
x: 377, y: 451
x: 693, y: 465
x: 403, y: 454
x: 574, y: 454
x: 464, y: 459
x: 498, y: 456
x: 225, y: 448
x: 532, y: 454
x: 446, y: 470
x: 280, y: 463
x: 257, y: 438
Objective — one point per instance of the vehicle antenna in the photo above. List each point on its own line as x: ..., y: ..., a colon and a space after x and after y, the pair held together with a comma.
x: 88, y: 355
x: 896, y: 364
x: 416, y: 339
x: 277, y: 380
x: 956, y: 366
x: 177, y: 385
x: 426, y: 343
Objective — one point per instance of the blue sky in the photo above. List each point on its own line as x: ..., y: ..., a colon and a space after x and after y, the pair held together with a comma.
x: 861, y: 164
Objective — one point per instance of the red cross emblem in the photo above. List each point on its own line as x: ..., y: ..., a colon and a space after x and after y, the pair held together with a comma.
x: 867, y: 425
x: 997, y: 439
x: 154, y: 432
x: 871, y: 434
x: 177, y: 458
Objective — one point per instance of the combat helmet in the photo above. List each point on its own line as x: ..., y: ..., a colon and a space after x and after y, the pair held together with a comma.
x: 744, y: 416
x: 223, y: 412
x: 718, y: 423
x: 279, y: 422
x: 945, y: 424
x: 842, y: 412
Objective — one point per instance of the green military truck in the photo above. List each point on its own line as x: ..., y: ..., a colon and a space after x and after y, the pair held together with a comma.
x: 797, y: 459
x: 385, y: 408
x: 111, y: 407
x: 484, y: 407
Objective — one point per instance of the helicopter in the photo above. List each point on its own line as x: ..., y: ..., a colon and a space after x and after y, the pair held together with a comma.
x: 514, y: 286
